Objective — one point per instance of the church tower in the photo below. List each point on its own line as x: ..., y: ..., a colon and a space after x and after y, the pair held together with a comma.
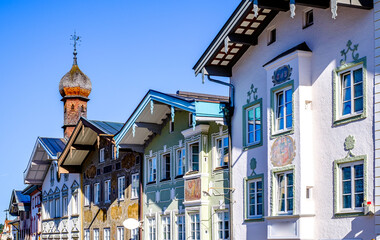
x: 74, y: 87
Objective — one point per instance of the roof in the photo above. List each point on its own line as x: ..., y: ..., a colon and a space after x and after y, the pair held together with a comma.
x: 300, y: 47
x: 30, y: 189
x: 243, y: 29
x: 156, y: 107
x: 22, y: 198
x: 44, y: 152
x: 18, y: 203
x: 107, y: 127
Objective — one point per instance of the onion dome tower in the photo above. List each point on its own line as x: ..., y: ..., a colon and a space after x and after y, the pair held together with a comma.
x: 74, y: 87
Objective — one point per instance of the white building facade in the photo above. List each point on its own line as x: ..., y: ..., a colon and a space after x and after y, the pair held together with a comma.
x: 303, y: 129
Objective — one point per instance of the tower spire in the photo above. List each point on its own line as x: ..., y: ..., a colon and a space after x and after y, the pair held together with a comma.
x: 75, y: 40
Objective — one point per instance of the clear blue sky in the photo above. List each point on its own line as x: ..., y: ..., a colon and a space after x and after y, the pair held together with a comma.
x: 128, y: 47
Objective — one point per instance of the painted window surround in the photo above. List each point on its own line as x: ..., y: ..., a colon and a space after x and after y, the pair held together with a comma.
x: 337, y: 119
x: 246, y: 198
x: 247, y: 146
x: 337, y: 210
x: 274, y: 172
x: 273, y: 91
x: 214, y: 138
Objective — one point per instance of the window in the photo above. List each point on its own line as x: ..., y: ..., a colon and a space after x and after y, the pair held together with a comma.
x: 171, y: 127
x: 75, y: 204
x: 194, y: 157
x: 351, y: 186
x: 64, y: 206
x: 52, y: 209
x: 106, y: 232
x: 101, y: 155
x: 87, y: 234
x: 57, y: 208
x: 181, y: 159
x: 165, y: 227
x: 222, y: 152
x: 283, y: 111
x: 308, y: 18
x: 135, y: 186
x: 255, y: 198
x: 152, y: 170
x: 96, y: 193
x: 223, y: 226
x: 107, y: 190
x: 113, y: 149
x: 166, y: 167
x: 52, y: 174
x: 272, y: 36
x: 87, y: 195
x: 285, y: 189
x: 190, y: 119
x: 120, y: 187
x: 252, y: 124
x: 195, y: 233
x: 120, y: 233
x: 135, y: 234
x: 351, y: 92
x: 181, y: 227
x: 96, y: 234
x: 152, y: 228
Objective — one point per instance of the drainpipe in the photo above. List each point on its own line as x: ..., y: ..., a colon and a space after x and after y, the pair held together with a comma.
x: 229, y: 111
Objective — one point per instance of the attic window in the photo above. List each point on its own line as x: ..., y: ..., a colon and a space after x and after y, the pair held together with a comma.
x: 190, y: 119
x: 308, y: 18
x: 171, y: 127
x: 272, y: 36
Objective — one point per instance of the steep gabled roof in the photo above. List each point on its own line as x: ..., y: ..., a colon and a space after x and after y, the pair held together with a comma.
x: 18, y: 203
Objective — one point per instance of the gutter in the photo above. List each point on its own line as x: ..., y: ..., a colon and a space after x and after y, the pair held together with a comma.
x: 229, y: 112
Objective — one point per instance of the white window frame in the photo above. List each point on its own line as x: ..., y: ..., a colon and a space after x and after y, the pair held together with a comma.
x: 341, y: 75
x: 74, y: 206
x: 106, y: 233
x: 217, y: 152
x: 180, y: 156
x: 101, y: 155
x: 57, y: 207
x: 255, y: 205
x: 64, y: 206
x: 352, y: 180
x: 152, y: 170
x: 166, y: 227
x: 135, y: 234
x: 181, y: 227
x: 286, y: 211
x: 276, y: 108
x: 52, y: 208
x: 96, y: 233
x: 152, y: 228
x: 164, y: 165
x: 96, y: 193
x: 135, y: 185
x: 246, y: 127
x: 107, y: 191
x: 218, y: 220
x: 86, y: 195
x: 190, y: 153
x: 87, y: 234
x: 194, y: 226
x: 121, y: 188
x: 120, y: 233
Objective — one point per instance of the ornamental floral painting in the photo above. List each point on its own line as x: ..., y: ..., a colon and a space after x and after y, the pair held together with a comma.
x: 193, y: 189
x: 283, y: 151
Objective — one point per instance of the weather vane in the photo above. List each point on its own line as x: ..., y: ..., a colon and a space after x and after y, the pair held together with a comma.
x: 75, y: 39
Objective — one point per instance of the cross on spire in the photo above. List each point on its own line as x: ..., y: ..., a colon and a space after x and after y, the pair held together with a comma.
x: 75, y: 40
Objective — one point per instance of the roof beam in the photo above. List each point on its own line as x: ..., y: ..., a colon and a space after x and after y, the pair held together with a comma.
x: 134, y: 147
x: 365, y: 4
x: 243, y: 39
x: 41, y: 162
x: 82, y: 147
x: 34, y: 182
x: 313, y: 3
x: 153, y: 127
x: 274, y: 5
x: 69, y: 169
x: 221, y: 71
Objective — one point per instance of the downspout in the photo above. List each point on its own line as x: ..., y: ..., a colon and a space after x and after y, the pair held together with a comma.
x: 229, y: 112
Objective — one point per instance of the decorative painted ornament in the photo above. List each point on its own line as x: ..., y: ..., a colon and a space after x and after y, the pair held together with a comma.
x: 344, y: 52
x: 283, y: 151
x: 253, y: 165
x: 282, y: 74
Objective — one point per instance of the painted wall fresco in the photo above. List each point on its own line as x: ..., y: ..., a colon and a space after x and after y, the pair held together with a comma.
x: 283, y: 151
x: 193, y: 189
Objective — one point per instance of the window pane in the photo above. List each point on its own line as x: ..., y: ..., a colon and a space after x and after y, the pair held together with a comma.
x: 359, y: 186
x: 250, y: 115
x: 280, y: 112
x: 358, y: 171
x: 347, y: 94
x: 358, y: 90
x: 346, y: 108
x: 258, y: 135
x: 290, y: 179
x: 288, y: 95
x: 346, y: 187
x: 347, y: 201
x: 281, y: 124
x: 289, y: 108
x: 280, y: 98
x: 359, y: 199
x: 347, y: 80
x: 358, y: 75
x: 289, y: 121
x: 346, y: 173
x: 358, y: 104
x: 250, y: 137
x: 290, y: 205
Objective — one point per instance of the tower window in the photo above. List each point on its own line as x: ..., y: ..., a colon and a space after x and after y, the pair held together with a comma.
x: 308, y: 18
x: 72, y: 106
x: 272, y: 35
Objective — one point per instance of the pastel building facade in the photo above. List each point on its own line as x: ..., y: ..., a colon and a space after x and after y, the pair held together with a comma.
x: 303, y: 164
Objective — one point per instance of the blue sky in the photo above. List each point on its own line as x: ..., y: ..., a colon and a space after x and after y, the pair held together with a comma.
x: 128, y: 47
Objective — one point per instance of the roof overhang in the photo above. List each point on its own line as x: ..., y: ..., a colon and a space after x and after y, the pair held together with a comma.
x: 242, y: 30
x: 154, y: 111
